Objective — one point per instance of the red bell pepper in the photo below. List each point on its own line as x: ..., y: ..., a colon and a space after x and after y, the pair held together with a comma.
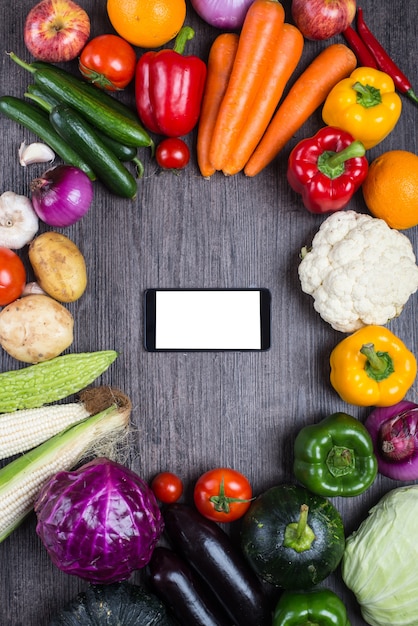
x: 169, y: 88
x: 327, y: 169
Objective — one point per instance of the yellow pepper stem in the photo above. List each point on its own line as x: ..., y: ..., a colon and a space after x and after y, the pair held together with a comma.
x: 379, y: 365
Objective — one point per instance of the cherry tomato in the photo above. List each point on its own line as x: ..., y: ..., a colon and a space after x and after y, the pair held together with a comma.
x: 167, y: 487
x: 108, y: 61
x: 222, y: 494
x: 12, y: 276
x: 172, y: 154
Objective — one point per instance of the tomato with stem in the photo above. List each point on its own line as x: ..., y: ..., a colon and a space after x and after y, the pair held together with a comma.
x: 222, y: 494
x: 172, y: 154
x: 167, y: 487
x: 12, y: 276
x: 108, y: 61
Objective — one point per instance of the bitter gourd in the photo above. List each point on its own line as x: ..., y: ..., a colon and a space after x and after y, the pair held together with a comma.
x: 51, y: 380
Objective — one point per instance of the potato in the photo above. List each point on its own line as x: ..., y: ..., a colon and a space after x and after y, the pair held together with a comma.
x: 59, y: 266
x: 35, y: 328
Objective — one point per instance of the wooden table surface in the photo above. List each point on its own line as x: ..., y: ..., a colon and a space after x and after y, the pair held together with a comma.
x: 195, y: 411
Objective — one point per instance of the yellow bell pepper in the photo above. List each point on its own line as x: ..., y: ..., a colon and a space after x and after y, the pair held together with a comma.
x: 365, y: 105
x: 372, y: 367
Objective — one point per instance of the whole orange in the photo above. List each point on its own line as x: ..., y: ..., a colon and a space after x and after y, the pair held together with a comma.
x: 390, y: 190
x: 147, y: 23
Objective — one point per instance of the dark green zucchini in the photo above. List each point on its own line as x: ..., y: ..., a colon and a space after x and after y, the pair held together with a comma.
x: 101, y: 116
x: 114, y: 605
x: 75, y: 130
x: 37, y: 122
x: 43, y: 97
x: 287, y: 545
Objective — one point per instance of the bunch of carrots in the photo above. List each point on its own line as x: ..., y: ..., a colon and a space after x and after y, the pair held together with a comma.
x: 243, y: 123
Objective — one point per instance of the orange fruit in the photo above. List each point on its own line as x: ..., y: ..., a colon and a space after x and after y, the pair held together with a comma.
x: 390, y: 190
x: 147, y: 23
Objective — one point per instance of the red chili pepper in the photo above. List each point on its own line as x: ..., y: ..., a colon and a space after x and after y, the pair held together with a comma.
x: 327, y: 169
x: 384, y: 62
x: 169, y: 88
x: 363, y: 54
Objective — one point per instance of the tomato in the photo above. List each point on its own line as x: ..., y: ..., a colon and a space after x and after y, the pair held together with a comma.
x: 172, y: 154
x: 108, y: 61
x: 222, y: 494
x: 12, y: 276
x: 167, y: 487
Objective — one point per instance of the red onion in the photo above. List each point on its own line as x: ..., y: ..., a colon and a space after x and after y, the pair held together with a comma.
x: 62, y: 195
x: 394, y: 431
x: 223, y: 14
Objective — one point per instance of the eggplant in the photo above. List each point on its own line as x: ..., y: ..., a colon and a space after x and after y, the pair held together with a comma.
x: 183, y: 592
x: 210, y: 551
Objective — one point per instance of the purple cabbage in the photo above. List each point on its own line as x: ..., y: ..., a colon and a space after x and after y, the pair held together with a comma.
x: 100, y: 522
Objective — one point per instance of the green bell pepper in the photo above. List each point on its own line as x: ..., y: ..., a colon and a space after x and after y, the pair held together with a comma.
x: 335, y: 456
x: 318, y: 607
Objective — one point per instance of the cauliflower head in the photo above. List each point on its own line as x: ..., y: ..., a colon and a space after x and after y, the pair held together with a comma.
x: 359, y: 271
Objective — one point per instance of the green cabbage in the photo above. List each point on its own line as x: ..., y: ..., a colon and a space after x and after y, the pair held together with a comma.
x: 380, y: 562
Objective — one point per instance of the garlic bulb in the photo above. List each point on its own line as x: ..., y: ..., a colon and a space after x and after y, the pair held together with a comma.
x: 18, y: 220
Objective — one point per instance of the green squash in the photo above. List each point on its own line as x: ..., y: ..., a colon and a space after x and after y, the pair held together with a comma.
x: 118, y: 604
x: 292, y: 538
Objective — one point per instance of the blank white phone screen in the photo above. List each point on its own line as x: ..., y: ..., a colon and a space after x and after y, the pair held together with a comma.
x: 208, y: 320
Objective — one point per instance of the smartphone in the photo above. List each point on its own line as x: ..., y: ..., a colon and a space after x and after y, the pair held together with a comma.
x: 207, y: 319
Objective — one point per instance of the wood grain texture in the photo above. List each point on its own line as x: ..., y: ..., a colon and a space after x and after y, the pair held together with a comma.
x: 194, y: 411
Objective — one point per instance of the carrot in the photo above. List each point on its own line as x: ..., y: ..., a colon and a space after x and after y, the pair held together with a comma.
x: 285, y: 58
x: 220, y: 62
x: 309, y: 91
x: 262, y: 26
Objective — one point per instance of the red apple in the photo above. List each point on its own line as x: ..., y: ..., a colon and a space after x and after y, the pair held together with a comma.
x: 322, y: 19
x: 56, y: 30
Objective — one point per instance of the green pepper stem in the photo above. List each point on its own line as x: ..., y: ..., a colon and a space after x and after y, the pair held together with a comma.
x: 185, y: 34
x: 367, y: 95
x: 340, y: 461
x: 299, y: 535
x: 332, y: 163
x: 379, y: 365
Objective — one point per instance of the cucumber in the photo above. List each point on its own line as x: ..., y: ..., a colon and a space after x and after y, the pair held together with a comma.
x: 38, y: 122
x: 74, y: 129
x: 102, y: 116
x: 94, y: 92
x: 49, y: 381
x: 123, y: 153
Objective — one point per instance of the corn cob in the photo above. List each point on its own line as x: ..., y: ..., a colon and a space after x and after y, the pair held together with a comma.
x: 27, y: 428
x: 22, y: 479
x: 49, y: 381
